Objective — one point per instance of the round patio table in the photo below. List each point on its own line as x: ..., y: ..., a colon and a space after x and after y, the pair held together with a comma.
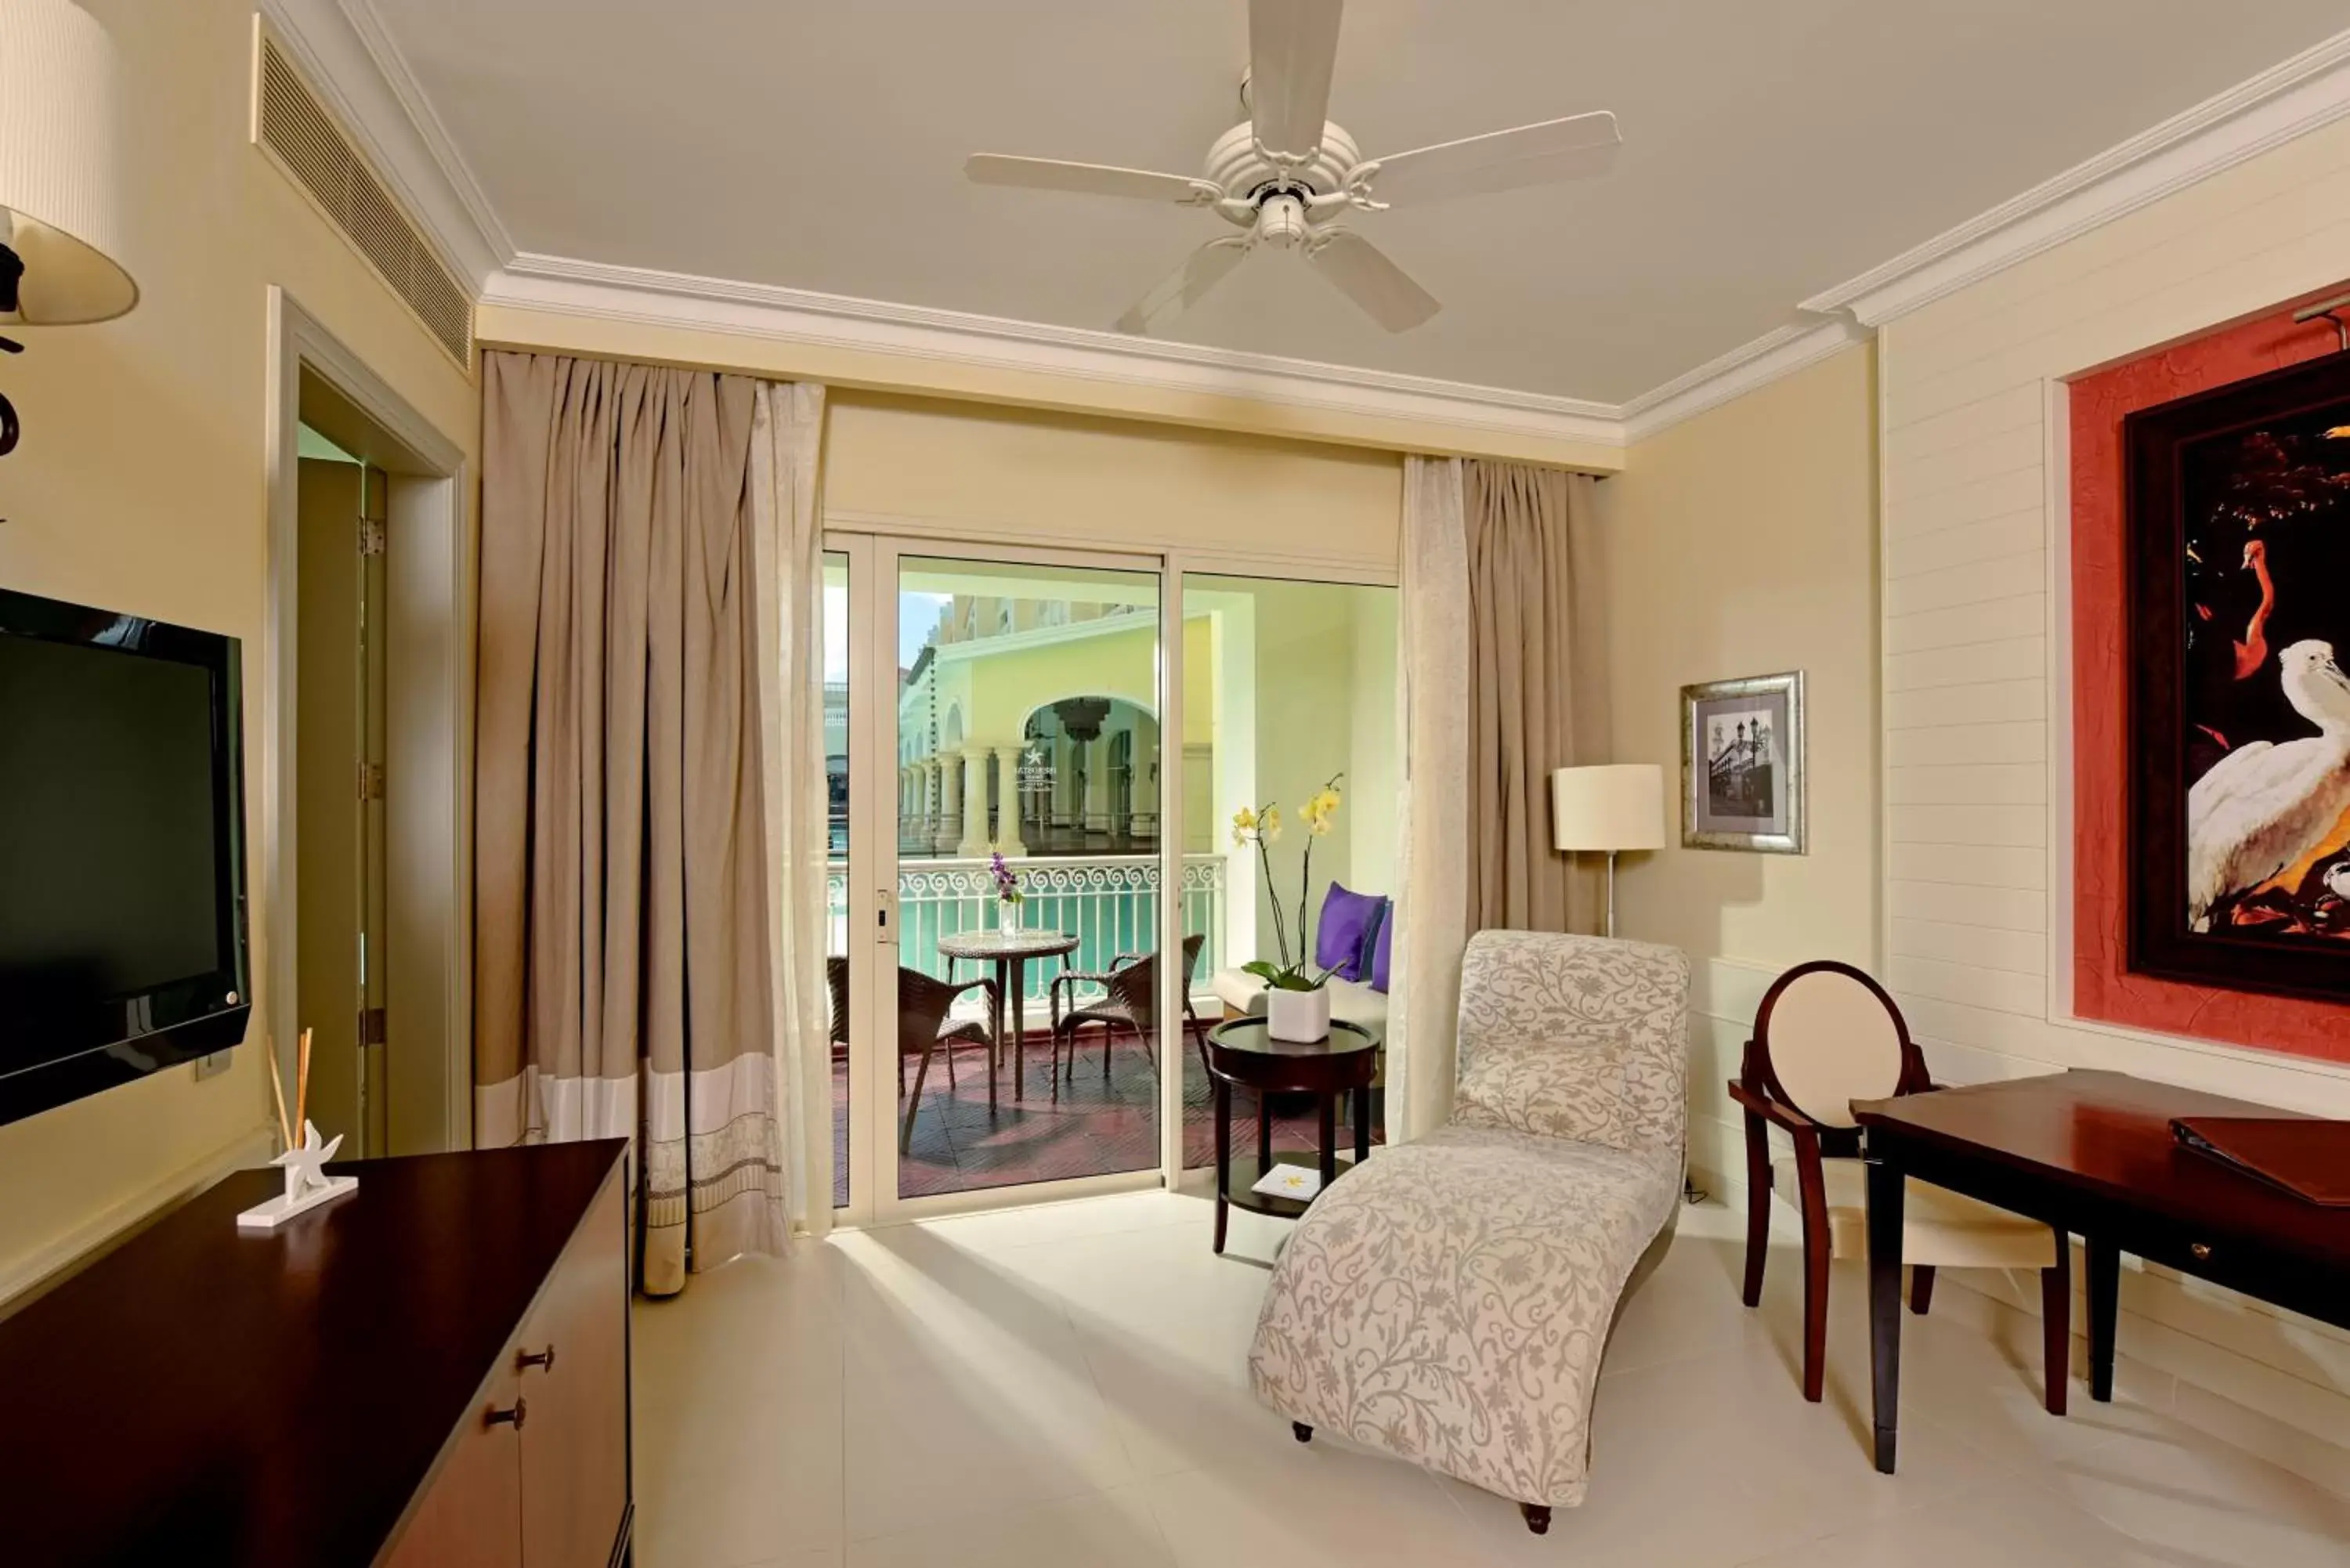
x: 1009, y: 951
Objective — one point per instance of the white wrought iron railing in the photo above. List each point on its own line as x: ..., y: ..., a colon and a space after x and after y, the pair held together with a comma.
x: 1111, y: 903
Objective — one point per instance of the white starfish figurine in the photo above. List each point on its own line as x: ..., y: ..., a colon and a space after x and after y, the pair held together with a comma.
x: 301, y: 1163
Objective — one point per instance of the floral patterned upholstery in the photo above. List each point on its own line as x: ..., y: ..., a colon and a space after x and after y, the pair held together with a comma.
x: 1449, y: 1301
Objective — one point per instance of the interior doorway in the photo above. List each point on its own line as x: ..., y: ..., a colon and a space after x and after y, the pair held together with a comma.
x: 341, y: 779
x: 372, y: 720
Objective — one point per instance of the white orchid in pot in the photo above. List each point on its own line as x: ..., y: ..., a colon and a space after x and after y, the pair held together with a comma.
x: 1297, y: 998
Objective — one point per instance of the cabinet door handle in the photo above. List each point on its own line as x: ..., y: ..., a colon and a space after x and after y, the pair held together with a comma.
x: 542, y: 1358
x: 513, y: 1417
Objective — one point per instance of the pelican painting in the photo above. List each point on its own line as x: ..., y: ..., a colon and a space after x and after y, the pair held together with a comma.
x: 2266, y: 805
x: 2237, y: 860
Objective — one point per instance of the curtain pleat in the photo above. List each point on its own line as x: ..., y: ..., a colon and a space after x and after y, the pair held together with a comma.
x: 625, y: 982
x: 1537, y: 690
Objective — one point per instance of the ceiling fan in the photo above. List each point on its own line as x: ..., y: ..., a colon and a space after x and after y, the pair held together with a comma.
x: 1286, y: 176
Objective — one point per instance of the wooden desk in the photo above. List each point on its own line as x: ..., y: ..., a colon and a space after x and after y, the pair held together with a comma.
x: 348, y: 1390
x: 2091, y: 1153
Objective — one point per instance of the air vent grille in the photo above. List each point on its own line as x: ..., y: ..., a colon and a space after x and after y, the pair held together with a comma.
x: 296, y: 130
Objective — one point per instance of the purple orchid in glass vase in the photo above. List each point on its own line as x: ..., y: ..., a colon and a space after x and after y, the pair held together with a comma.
x: 1008, y: 895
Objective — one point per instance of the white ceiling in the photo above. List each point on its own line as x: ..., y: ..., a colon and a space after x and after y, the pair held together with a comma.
x: 1772, y: 149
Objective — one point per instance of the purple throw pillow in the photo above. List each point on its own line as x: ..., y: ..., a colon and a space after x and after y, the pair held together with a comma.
x: 1381, y: 946
x: 1345, y: 929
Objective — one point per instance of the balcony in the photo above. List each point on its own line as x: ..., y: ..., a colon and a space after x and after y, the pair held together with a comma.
x: 1109, y: 902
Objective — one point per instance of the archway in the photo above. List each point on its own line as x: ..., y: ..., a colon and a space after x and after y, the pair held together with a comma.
x: 1089, y: 777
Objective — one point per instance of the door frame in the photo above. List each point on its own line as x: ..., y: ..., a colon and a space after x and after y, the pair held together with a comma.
x: 431, y: 738
x: 875, y: 562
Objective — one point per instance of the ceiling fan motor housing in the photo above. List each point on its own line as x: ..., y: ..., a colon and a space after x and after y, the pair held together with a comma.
x: 1246, y: 175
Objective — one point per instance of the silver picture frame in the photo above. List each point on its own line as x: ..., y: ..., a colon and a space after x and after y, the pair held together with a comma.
x: 1742, y: 764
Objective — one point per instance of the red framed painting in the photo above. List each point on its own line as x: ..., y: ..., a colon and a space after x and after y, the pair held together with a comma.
x: 2239, y: 622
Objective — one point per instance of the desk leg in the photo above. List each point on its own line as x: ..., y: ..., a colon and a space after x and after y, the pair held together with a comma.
x: 1329, y: 1157
x: 1362, y: 1124
x: 1885, y: 1197
x: 2104, y: 1262
x: 1223, y: 1151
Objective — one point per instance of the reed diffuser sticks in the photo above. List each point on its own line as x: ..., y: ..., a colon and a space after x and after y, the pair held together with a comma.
x: 294, y: 1133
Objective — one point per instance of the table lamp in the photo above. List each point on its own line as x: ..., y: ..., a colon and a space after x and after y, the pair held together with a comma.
x: 60, y: 186
x: 1619, y: 805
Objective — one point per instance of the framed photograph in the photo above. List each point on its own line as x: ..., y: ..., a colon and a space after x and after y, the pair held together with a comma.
x: 2238, y: 518
x: 1742, y: 764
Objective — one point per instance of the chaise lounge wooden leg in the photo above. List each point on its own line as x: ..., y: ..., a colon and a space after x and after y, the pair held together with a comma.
x: 1537, y: 1517
x: 1300, y: 1431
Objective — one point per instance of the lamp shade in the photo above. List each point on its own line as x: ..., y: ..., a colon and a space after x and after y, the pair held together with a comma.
x: 60, y: 184
x: 1620, y: 805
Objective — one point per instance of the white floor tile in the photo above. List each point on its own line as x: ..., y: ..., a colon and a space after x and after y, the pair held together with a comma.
x: 1066, y: 1386
x: 1100, y: 1529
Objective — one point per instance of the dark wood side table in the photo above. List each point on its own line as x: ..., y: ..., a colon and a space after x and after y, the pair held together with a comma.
x: 1242, y: 1050
x: 2092, y: 1153
x: 1009, y: 951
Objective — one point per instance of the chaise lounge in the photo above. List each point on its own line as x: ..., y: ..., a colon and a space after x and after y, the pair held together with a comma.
x: 1449, y: 1301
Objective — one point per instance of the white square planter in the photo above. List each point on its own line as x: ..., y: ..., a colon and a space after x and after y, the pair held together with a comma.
x: 1302, y: 1016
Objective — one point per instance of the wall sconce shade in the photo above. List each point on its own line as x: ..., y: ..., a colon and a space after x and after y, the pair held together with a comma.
x: 60, y: 184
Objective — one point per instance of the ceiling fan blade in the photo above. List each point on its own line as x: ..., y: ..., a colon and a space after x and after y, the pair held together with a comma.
x: 1553, y: 149
x: 1182, y: 288
x: 1363, y: 273
x: 1088, y: 178
x: 1293, y: 49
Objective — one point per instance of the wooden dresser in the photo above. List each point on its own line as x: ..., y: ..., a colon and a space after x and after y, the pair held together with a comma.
x: 433, y: 1370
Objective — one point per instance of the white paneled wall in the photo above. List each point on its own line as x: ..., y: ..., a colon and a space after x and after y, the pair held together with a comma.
x: 1976, y: 714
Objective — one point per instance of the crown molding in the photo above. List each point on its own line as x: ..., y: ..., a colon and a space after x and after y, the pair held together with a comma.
x: 392, y: 65
x: 1781, y: 352
x: 569, y: 286
x: 351, y: 63
x: 2303, y: 94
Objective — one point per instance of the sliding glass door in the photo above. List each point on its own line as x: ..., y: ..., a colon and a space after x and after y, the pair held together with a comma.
x: 1002, y: 870
x: 1294, y: 692
x: 1038, y: 904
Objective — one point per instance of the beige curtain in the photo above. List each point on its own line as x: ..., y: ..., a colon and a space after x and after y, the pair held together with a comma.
x: 624, y: 975
x: 787, y: 432
x: 1537, y: 690
x: 1432, y: 912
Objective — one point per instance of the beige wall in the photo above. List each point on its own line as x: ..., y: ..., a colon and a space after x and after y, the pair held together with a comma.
x: 1977, y: 705
x: 1743, y: 543
x: 973, y: 471
x: 141, y: 486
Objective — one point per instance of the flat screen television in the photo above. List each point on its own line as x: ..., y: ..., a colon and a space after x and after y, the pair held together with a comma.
x: 122, y: 917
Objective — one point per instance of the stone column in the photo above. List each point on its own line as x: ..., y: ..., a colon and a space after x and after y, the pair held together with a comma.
x: 946, y: 794
x: 1096, y: 806
x: 1007, y: 770
x: 973, y: 842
